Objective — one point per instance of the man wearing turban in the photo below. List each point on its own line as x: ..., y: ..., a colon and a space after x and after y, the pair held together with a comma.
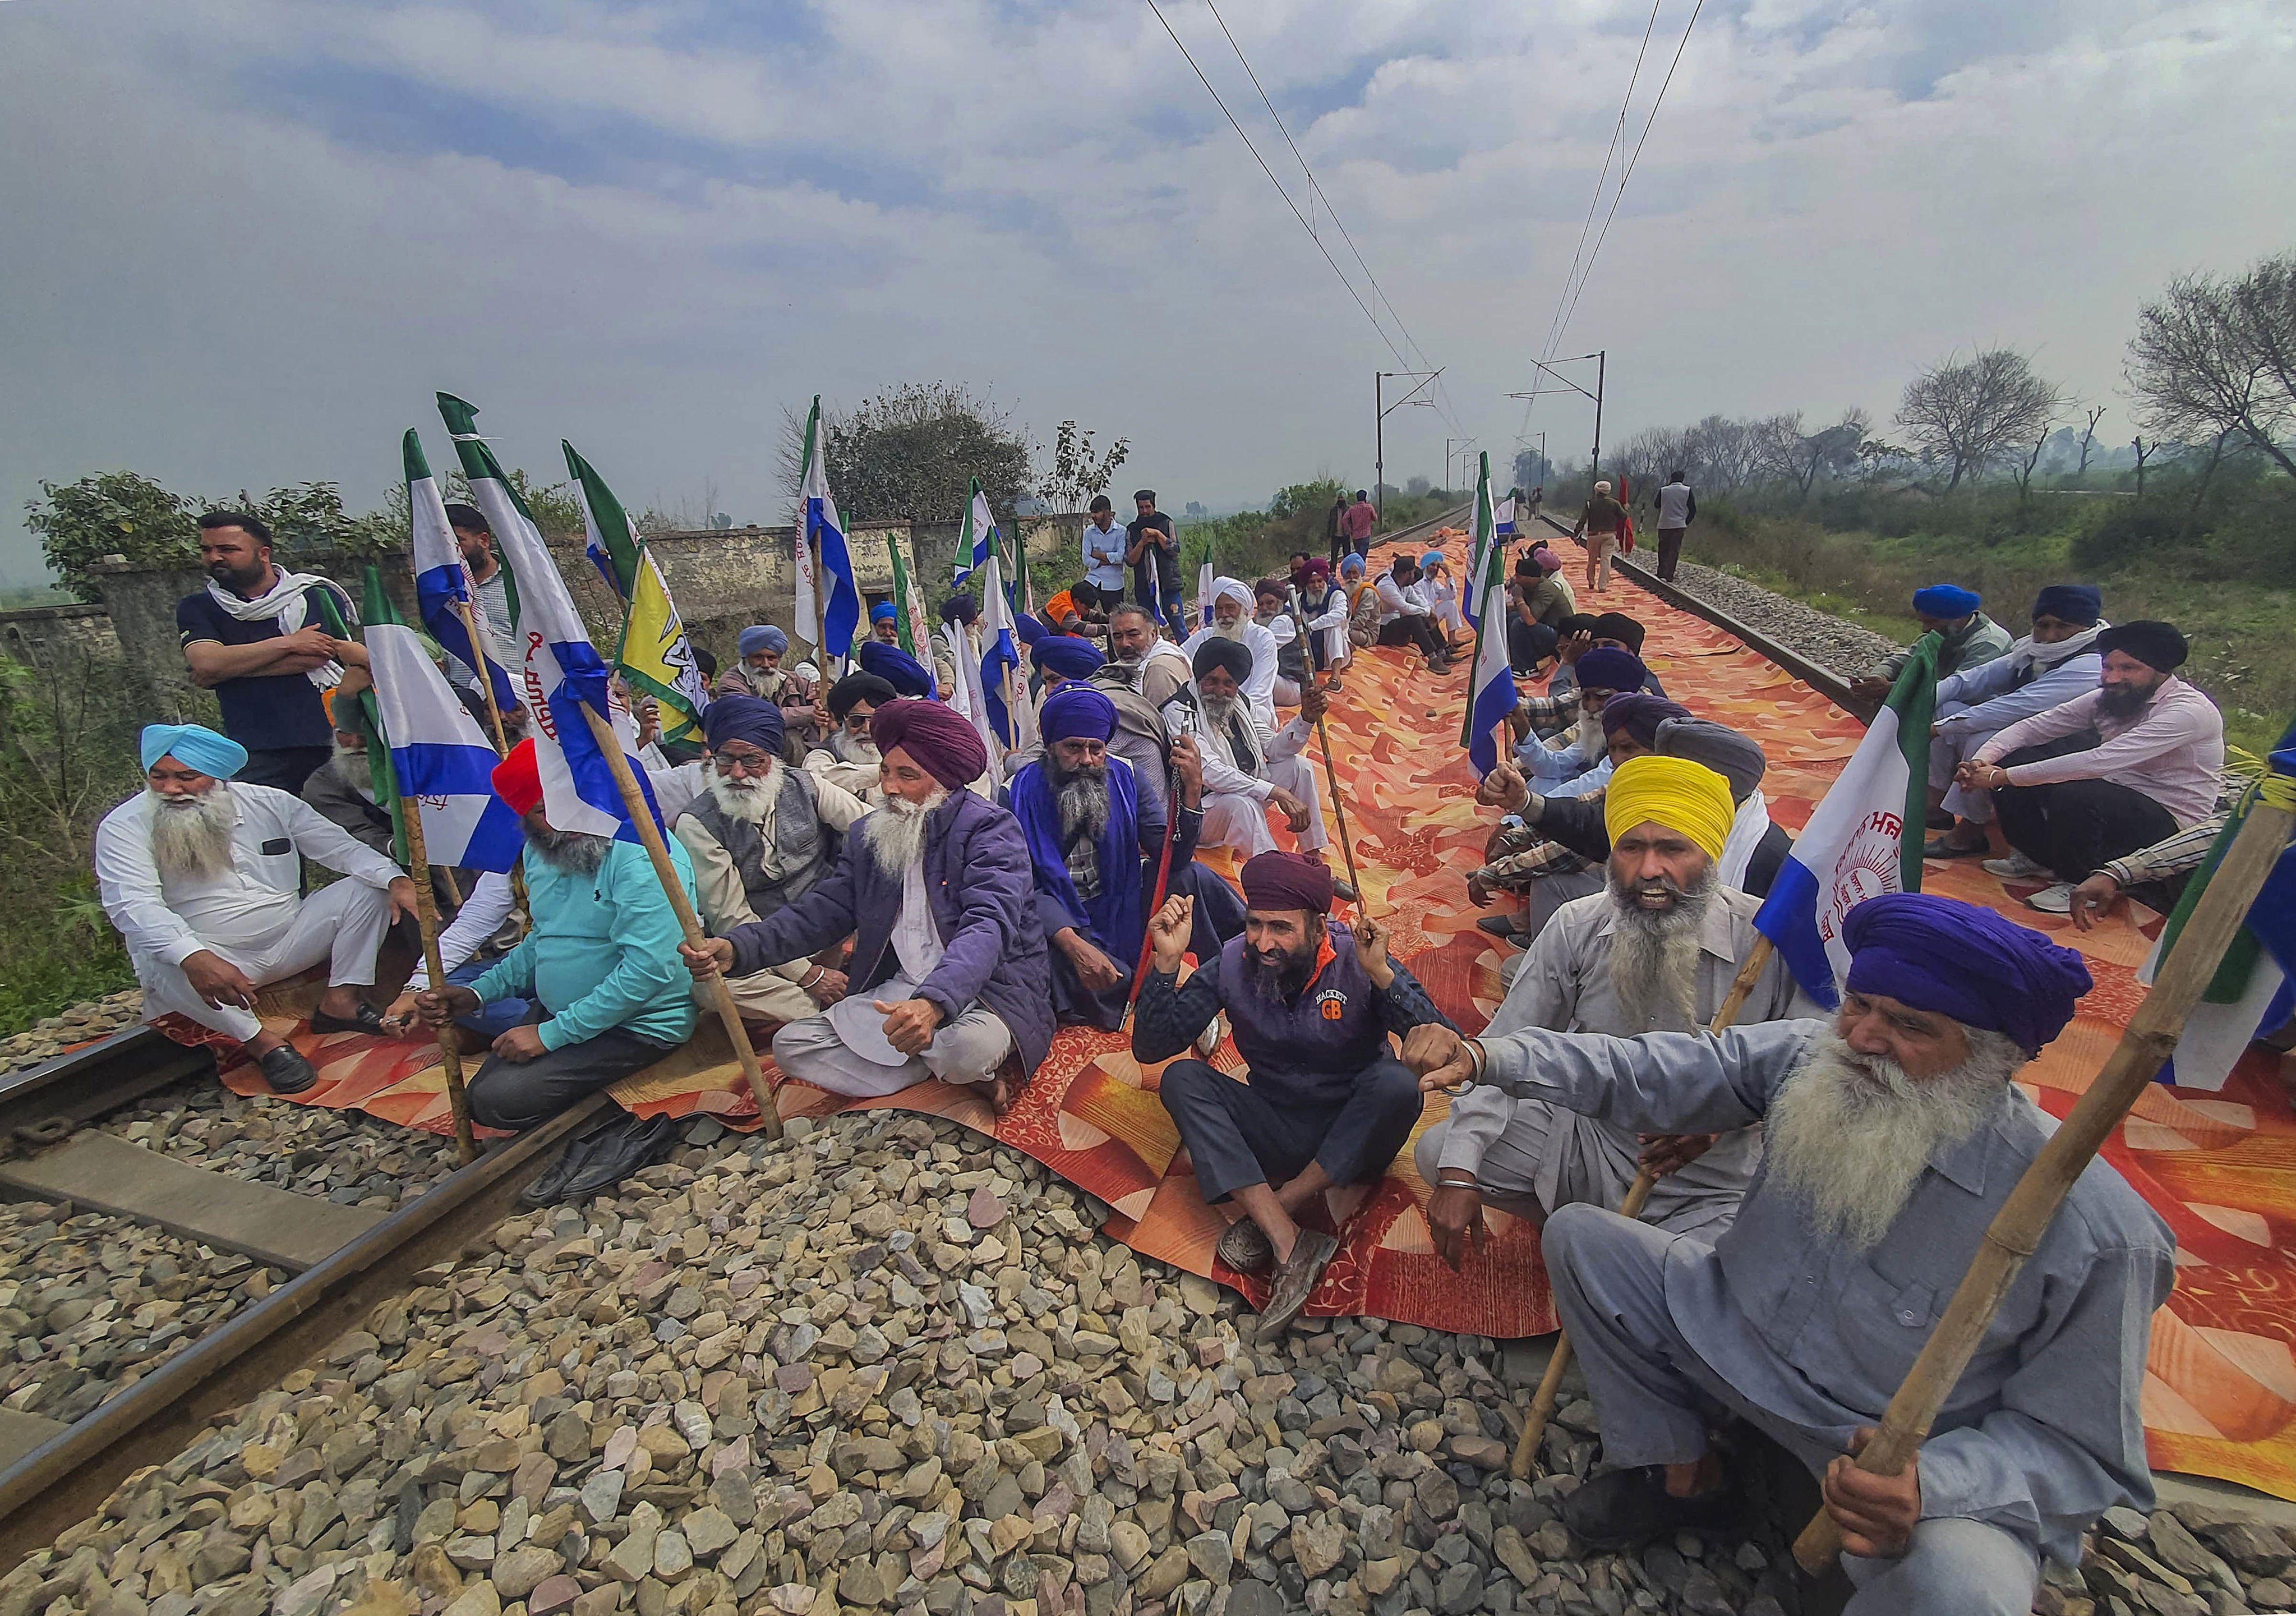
x: 1325, y: 1103
x: 1232, y: 621
x: 1248, y: 768
x: 762, y: 834
x: 2049, y: 667
x: 1971, y: 638
x: 1656, y: 951
x: 846, y: 757
x: 907, y: 675
x: 883, y: 627
x: 2124, y: 765
x: 203, y: 875
x: 1893, y: 1134
x: 757, y: 668
x: 1600, y: 524
x: 1325, y: 607
x: 1578, y: 765
x: 1271, y: 610
x: 1095, y: 848
x: 948, y: 977
x: 1061, y: 657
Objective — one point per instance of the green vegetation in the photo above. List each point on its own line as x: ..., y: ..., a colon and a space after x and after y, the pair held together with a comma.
x: 1258, y: 543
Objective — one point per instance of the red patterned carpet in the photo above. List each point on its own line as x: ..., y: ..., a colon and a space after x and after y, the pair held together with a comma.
x: 2220, y: 1397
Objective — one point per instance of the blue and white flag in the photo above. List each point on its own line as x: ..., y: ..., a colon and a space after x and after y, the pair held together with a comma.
x: 1863, y: 837
x: 829, y: 597
x: 1480, y: 553
x: 1502, y: 517
x: 1495, y: 695
x: 440, y: 759
x: 973, y: 538
x: 1013, y: 723
x: 560, y: 671
x: 442, y: 582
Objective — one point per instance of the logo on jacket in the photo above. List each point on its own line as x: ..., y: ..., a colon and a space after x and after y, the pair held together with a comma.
x: 1330, y: 1004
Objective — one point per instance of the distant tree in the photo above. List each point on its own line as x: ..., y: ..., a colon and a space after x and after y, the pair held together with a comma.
x: 2089, y: 438
x: 2213, y: 357
x: 910, y: 454
x: 1076, y: 473
x: 1791, y: 455
x: 112, y: 513
x: 1196, y: 510
x: 1970, y: 416
x: 1416, y: 486
x: 1531, y: 468
x: 1313, y: 498
x: 2020, y: 467
x: 2143, y: 455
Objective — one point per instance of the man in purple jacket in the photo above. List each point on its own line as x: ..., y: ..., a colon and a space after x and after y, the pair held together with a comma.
x: 948, y: 977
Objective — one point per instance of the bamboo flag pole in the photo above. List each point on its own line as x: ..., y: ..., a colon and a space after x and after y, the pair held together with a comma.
x: 485, y: 677
x: 1331, y: 774
x: 1550, y: 1384
x: 2017, y: 1229
x: 426, y: 919
x: 634, y: 803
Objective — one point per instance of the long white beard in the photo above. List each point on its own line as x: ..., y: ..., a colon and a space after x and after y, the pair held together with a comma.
x: 894, y: 833
x: 1592, y: 742
x: 749, y: 801
x: 855, y: 749
x: 350, y: 766
x: 190, y: 836
x: 1847, y: 1135
x: 1233, y: 631
x: 1654, y: 955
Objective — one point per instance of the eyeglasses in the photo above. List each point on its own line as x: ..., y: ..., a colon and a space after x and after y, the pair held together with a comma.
x: 748, y: 759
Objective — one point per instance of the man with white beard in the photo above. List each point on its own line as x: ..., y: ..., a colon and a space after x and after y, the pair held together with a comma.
x: 1248, y: 769
x: 203, y: 877
x: 1232, y: 605
x: 1581, y: 764
x: 846, y: 757
x: 949, y: 976
x: 1892, y: 1136
x: 1655, y: 952
x: 761, y: 835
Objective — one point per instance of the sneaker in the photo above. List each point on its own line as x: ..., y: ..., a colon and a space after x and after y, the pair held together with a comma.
x: 2057, y: 900
x: 2013, y: 868
x: 285, y: 1070
x: 1620, y: 1509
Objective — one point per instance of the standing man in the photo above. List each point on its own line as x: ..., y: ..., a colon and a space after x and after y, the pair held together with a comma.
x: 1105, y: 547
x: 254, y: 638
x: 1325, y: 1103
x: 489, y: 590
x: 1155, y: 553
x: 1335, y: 527
x: 1598, y: 524
x: 1361, y: 520
x: 1678, y: 508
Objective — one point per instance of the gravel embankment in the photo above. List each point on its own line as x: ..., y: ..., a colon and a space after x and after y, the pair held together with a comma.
x: 48, y: 1037
x: 344, y: 1156
x: 1844, y: 647
x: 891, y: 1367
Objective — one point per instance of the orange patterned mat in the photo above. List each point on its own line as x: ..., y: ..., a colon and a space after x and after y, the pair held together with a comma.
x: 2220, y: 1391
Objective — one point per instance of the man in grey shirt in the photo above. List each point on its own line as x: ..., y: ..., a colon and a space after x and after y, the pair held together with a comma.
x: 1891, y: 1139
x: 1678, y: 508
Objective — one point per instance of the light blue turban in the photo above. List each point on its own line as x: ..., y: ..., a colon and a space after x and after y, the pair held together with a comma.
x: 761, y: 636
x: 194, y: 746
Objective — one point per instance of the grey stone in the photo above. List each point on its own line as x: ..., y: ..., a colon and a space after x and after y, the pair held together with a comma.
x: 1212, y: 1555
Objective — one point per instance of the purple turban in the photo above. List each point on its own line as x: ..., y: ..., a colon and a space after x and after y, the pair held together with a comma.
x: 743, y: 719
x: 937, y: 738
x: 907, y: 675
x: 1286, y: 880
x: 1957, y: 959
x: 1029, y: 628
x: 1076, y: 710
x: 1218, y: 650
x: 1607, y: 667
x: 1066, y: 656
x: 1639, y: 714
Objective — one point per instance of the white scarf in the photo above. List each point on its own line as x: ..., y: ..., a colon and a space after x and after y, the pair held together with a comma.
x: 284, y: 606
x: 2030, y: 659
x: 1746, y: 833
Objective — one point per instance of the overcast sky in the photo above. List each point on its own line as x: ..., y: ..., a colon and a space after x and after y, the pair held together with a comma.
x: 242, y: 241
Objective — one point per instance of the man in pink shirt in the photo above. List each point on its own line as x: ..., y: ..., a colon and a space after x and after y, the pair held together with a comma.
x: 1361, y: 518
x: 2117, y: 769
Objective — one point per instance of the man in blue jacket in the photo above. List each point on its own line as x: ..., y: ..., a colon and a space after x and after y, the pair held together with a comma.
x: 599, y: 967
x: 948, y: 978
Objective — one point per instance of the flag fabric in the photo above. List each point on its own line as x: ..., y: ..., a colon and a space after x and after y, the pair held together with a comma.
x: 560, y: 671
x: 828, y: 600
x: 442, y: 582
x: 1864, y: 837
x: 433, y: 748
x: 1205, y: 580
x: 1012, y: 730
x: 1487, y: 542
x: 1503, y: 518
x: 909, y: 624
x: 654, y: 657
x: 973, y: 537
x: 1494, y: 692
x: 358, y: 715
x: 2254, y: 989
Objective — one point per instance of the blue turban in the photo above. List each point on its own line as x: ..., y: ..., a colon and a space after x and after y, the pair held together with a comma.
x: 907, y: 675
x: 761, y: 636
x: 959, y: 609
x: 882, y: 612
x: 1608, y: 667
x: 1947, y: 600
x: 1028, y: 627
x: 1351, y: 564
x: 1066, y: 656
x: 1076, y: 710
x: 194, y: 746
x: 1430, y: 558
x: 1957, y: 959
x: 743, y: 719
x: 2081, y: 603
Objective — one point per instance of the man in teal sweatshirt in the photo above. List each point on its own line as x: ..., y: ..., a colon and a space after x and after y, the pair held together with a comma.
x: 601, y: 964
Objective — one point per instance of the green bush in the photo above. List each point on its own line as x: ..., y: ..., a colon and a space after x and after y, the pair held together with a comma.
x: 2129, y: 535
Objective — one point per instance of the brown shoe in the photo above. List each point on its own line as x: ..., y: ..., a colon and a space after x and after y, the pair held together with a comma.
x: 1295, y: 1280
x: 1244, y: 1247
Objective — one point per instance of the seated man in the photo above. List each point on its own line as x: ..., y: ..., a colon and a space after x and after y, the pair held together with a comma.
x: 1541, y: 601
x: 2106, y: 773
x: 757, y: 670
x: 599, y: 965
x: 1141, y: 658
x: 1096, y: 851
x: 2046, y: 669
x: 847, y: 757
x: 1892, y: 1136
x: 1326, y: 1101
x: 1405, y: 617
x: 1971, y: 638
x: 1247, y: 770
x: 203, y: 877
x: 761, y: 835
x: 1271, y: 610
x: 2153, y: 877
x: 949, y: 976
x: 342, y: 788
x: 1657, y: 952
x: 1232, y: 619
x: 1582, y: 765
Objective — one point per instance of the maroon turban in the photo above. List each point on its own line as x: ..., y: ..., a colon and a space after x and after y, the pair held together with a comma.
x: 1286, y: 880
x: 942, y: 740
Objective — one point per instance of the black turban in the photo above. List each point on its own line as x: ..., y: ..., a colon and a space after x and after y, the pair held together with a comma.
x: 1218, y: 650
x: 859, y: 687
x: 2157, y: 645
x: 1618, y: 626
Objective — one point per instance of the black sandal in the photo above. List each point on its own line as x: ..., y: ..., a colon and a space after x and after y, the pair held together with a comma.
x: 365, y: 1019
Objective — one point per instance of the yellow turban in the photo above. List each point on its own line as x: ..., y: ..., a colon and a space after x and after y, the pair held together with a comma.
x: 1678, y: 793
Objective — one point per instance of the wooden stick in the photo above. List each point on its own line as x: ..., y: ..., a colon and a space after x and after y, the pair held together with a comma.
x: 634, y: 803
x: 2017, y: 1229
x: 1550, y: 1384
x: 1331, y: 774
x: 485, y: 678
x: 426, y: 919
x: 1163, y: 877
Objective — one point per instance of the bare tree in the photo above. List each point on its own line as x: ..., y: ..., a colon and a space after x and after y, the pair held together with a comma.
x: 2143, y: 455
x: 2089, y: 438
x: 2213, y: 356
x: 1971, y: 415
x: 1789, y: 455
x: 2021, y: 468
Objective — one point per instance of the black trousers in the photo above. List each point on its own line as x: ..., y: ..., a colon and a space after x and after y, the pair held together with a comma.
x: 1413, y: 630
x: 518, y: 1095
x: 1530, y: 643
x: 284, y: 767
x: 1670, y: 551
x: 1266, y: 1129
x: 2073, y: 827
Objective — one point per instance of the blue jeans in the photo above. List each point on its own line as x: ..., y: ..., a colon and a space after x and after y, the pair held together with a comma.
x: 489, y: 1022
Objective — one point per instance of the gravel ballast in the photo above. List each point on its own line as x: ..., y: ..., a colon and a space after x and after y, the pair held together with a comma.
x: 1825, y: 639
